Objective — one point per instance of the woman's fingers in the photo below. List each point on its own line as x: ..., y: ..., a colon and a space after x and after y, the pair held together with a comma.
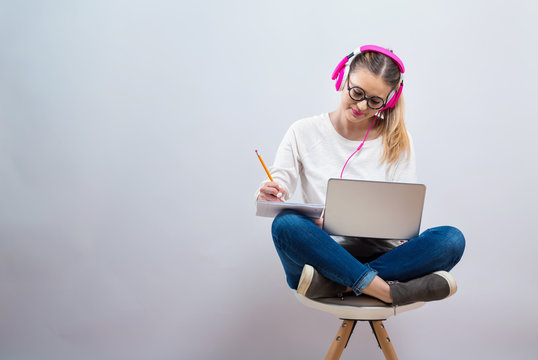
x: 318, y: 222
x: 264, y: 197
x: 269, y: 196
x: 271, y: 191
x: 271, y: 188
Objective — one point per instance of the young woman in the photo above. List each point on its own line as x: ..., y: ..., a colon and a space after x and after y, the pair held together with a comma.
x: 368, y: 125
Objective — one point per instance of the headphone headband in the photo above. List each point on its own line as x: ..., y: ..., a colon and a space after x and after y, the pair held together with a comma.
x: 383, y: 51
x: 342, y: 70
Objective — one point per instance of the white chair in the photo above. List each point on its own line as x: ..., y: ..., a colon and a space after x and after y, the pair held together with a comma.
x: 358, y: 308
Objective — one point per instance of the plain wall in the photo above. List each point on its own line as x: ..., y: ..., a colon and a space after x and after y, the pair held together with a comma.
x: 127, y: 173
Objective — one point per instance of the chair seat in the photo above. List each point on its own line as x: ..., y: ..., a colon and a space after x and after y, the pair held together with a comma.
x: 361, y: 307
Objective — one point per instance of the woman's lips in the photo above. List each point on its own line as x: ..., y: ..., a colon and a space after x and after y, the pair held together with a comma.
x: 356, y: 112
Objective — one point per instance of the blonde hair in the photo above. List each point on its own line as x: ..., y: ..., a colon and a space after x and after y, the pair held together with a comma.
x: 390, y: 124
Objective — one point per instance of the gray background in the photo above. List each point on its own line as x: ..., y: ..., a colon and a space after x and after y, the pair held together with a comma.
x: 127, y: 173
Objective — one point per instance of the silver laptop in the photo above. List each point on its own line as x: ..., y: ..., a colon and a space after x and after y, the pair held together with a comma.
x: 373, y: 209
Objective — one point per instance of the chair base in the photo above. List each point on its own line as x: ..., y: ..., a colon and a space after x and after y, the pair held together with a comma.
x: 358, y: 308
x: 344, y: 333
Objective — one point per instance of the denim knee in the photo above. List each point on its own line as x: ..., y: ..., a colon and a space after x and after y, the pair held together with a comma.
x: 452, y: 242
x: 455, y: 241
x: 283, y: 226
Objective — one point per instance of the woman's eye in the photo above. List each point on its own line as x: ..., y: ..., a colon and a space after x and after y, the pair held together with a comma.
x: 358, y: 93
x: 375, y: 101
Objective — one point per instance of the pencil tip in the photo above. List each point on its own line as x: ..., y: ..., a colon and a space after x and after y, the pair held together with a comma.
x: 256, y: 151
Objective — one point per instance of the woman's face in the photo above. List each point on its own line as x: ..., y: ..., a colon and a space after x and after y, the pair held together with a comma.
x: 373, y: 85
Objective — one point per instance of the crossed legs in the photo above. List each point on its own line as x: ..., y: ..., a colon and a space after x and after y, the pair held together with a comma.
x: 299, y: 241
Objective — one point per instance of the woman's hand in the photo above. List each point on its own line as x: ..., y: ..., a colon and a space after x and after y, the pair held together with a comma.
x: 318, y: 222
x: 270, y: 191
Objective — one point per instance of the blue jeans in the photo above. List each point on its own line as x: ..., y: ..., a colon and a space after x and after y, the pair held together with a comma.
x: 299, y: 241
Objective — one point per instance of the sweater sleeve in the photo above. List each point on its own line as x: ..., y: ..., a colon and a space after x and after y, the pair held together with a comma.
x: 285, y: 168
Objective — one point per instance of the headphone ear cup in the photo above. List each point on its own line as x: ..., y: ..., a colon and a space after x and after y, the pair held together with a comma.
x: 338, y: 68
x: 390, y: 98
x: 340, y: 81
x: 344, y: 73
x: 338, y: 73
x: 393, y: 98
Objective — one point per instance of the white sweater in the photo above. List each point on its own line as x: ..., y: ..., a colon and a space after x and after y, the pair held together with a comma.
x: 314, y: 151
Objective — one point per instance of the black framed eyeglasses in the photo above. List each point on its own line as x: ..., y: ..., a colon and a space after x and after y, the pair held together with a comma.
x: 358, y: 94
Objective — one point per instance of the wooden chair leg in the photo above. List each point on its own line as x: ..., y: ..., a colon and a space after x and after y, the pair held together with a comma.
x: 383, y: 340
x: 341, y: 339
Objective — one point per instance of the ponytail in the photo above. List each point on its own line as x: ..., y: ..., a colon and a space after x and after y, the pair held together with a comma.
x: 394, y: 133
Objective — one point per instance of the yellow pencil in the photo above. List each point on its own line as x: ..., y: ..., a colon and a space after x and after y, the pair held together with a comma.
x: 265, y: 167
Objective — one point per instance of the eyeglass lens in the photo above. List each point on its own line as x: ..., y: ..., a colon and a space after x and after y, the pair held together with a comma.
x: 357, y: 94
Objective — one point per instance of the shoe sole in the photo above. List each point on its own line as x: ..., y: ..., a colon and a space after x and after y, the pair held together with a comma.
x: 306, y: 279
x: 450, y: 280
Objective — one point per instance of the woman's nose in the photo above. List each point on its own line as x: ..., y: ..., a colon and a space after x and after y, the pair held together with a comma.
x: 362, y: 105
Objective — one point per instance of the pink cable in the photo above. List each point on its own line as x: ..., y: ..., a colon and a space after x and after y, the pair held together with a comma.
x: 360, y: 146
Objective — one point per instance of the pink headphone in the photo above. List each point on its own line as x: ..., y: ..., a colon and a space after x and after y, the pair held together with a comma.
x: 342, y: 71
